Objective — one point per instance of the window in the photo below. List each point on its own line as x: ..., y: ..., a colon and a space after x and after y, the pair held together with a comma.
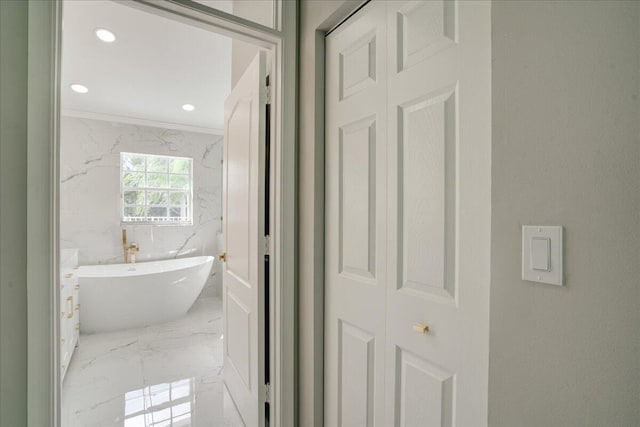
x: 156, y: 189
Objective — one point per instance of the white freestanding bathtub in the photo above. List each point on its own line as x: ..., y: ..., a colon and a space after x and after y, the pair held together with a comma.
x: 123, y: 296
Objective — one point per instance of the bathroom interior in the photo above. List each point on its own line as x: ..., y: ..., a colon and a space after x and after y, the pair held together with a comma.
x: 141, y: 175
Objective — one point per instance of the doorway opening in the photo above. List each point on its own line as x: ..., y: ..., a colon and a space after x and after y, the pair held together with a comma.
x: 167, y: 210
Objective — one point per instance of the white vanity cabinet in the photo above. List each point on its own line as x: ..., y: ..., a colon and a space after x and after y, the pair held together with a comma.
x: 69, y: 307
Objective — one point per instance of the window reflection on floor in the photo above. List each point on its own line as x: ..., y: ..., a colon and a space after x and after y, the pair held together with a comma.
x: 166, y: 404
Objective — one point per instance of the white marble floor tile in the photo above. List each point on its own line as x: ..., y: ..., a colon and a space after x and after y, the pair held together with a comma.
x: 168, y: 374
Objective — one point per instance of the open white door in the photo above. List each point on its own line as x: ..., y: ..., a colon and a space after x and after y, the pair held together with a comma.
x: 243, y: 226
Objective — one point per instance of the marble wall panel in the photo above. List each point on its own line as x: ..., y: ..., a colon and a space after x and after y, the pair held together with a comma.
x: 90, y: 193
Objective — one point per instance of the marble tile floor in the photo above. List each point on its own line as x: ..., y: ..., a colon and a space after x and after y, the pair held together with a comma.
x: 160, y: 375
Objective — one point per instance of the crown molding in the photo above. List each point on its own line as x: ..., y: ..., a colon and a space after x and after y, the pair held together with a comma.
x: 141, y: 122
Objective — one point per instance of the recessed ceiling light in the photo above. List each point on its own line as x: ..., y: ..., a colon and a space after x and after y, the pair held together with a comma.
x: 79, y: 88
x: 188, y: 107
x: 105, y: 35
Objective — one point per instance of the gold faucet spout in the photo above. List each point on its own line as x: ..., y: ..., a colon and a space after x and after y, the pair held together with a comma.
x: 125, y: 249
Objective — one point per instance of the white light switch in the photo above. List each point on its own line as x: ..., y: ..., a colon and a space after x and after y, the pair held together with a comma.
x: 540, y: 251
x: 542, y: 254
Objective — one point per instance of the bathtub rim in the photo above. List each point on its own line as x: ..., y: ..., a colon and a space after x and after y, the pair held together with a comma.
x: 87, y: 268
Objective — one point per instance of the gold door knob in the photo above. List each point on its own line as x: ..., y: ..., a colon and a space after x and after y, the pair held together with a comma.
x: 223, y: 257
x: 421, y: 328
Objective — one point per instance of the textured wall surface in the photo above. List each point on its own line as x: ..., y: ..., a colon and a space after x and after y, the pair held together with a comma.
x: 566, y: 151
x: 90, y: 192
x: 13, y: 213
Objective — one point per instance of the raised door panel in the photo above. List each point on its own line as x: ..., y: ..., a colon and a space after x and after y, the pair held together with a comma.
x: 426, y: 200
x: 358, y: 65
x: 424, y: 392
x: 423, y: 29
x: 356, y: 373
x: 238, y: 189
x: 357, y: 187
x: 238, y: 348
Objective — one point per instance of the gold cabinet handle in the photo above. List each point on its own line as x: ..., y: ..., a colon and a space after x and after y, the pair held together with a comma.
x: 421, y: 328
x: 70, y: 303
x: 223, y: 257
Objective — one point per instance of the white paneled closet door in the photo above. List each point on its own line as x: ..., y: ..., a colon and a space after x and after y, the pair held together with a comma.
x: 425, y: 342
x: 355, y: 202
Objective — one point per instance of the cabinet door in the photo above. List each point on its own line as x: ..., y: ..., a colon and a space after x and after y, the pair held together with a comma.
x: 66, y: 294
x: 75, y: 323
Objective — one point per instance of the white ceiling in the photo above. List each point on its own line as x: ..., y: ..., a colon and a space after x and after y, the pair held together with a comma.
x: 154, y: 67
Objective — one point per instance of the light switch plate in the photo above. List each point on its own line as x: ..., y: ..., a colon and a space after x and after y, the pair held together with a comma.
x: 542, y: 254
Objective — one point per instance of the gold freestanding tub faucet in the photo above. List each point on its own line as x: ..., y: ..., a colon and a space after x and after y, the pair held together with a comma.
x: 133, y: 250
x: 130, y: 251
x: 124, y: 245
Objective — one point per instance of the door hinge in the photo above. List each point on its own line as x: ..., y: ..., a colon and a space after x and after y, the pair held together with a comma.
x: 267, y: 88
x: 267, y: 244
x: 267, y: 393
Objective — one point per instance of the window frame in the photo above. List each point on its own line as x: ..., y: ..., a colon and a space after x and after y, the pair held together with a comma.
x: 147, y: 189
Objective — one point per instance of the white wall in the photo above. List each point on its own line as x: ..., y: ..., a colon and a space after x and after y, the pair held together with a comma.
x: 242, y: 53
x: 90, y: 192
x: 566, y: 151
x: 13, y: 213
